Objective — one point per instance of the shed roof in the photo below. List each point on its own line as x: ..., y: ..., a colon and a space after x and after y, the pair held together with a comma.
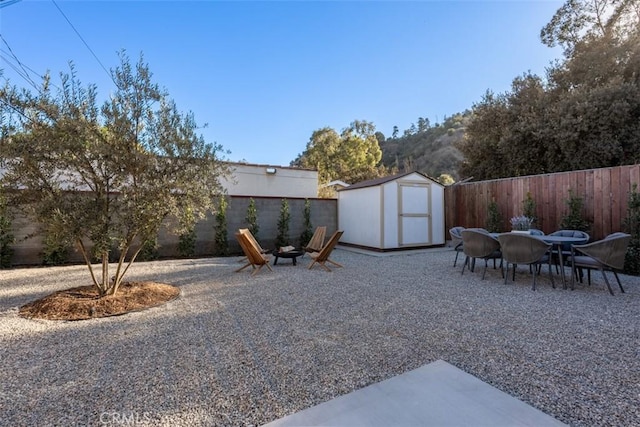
x: 337, y: 183
x: 384, y: 180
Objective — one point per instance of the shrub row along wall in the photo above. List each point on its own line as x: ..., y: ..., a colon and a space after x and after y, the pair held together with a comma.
x: 605, y: 194
x: 28, y: 249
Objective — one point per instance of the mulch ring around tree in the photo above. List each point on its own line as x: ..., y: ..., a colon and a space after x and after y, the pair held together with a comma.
x: 83, y: 302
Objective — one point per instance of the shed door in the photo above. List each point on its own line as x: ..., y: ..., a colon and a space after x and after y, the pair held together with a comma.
x: 414, y: 227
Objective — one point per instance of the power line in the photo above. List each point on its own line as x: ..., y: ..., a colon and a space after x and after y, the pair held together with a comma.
x: 16, y: 69
x: 83, y: 41
x: 26, y: 74
x: 19, y: 72
x: 23, y: 65
x: 8, y: 104
x: 5, y: 3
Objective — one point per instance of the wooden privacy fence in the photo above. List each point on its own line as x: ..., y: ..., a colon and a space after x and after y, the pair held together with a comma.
x: 605, y: 194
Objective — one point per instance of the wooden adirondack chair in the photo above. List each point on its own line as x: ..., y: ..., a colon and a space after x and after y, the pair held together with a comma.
x: 253, y: 240
x: 317, y: 240
x: 254, y: 257
x: 322, y: 257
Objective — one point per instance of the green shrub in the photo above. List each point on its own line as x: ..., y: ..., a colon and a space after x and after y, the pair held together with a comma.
x: 55, y: 250
x: 283, y: 225
x: 307, y: 233
x: 529, y: 209
x: 187, y: 239
x: 632, y: 226
x: 574, y: 219
x: 221, y: 240
x: 187, y: 243
x: 149, y: 251
x: 56, y: 242
x: 6, y: 237
x: 252, y: 218
x: 494, y: 218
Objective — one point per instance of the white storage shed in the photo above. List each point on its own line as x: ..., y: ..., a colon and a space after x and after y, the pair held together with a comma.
x: 393, y: 212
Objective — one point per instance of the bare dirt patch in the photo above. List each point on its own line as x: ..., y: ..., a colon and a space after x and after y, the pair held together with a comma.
x: 84, y: 302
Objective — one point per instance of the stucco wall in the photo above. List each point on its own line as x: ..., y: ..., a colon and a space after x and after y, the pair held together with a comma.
x: 254, y: 180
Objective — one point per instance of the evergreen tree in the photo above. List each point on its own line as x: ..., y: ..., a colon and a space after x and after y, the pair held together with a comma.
x: 6, y: 237
x: 252, y: 218
x: 187, y: 243
x: 55, y: 249
x: 149, y: 251
x: 494, y: 218
x: 529, y: 209
x: 221, y: 240
x: 283, y: 225
x: 187, y: 239
x: 307, y: 233
x: 632, y: 226
x: 574, y: 219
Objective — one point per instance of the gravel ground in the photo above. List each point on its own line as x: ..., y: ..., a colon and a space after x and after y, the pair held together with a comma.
x: 240, y: 350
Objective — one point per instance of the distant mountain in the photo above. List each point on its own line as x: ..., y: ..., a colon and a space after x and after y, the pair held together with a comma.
x: 427, y: 149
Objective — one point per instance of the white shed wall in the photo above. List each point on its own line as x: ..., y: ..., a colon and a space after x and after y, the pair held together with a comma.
x: 390, y: 220
x: 359, y: 216
x: 371, y: 216
x: 437, y: 212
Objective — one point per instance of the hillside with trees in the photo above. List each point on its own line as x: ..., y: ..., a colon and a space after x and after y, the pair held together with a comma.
x: 431, y: 150
x: 584, y: 113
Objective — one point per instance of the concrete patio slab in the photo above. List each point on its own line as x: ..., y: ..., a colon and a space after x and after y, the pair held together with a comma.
x: 436, y: 394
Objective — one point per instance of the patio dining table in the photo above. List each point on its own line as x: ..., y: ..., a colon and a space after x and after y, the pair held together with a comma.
x: 558, y: 242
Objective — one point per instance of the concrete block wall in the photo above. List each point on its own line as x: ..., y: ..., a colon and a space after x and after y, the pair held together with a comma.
x: 323, y: 212
x: 28, y: 246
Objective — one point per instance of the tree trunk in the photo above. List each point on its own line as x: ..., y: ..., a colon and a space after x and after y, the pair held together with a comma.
x: 105, y: 285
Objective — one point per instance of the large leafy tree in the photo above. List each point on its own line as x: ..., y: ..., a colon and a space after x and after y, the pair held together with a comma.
x: 106, y: 178
x: 586, y: 114
x: 580, y: 22
x: 353, y: 155
x: 481, y: 143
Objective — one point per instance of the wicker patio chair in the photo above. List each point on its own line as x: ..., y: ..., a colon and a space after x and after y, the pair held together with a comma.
x: 525, y: 249
x: 606, y: 254
x: 456, y: 240
x: 566, y: 247
x: 479, y: 244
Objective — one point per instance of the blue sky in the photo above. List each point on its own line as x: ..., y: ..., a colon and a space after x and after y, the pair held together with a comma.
x: 264, y: 75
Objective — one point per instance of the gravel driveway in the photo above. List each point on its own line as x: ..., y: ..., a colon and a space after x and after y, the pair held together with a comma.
x: 240, y: 350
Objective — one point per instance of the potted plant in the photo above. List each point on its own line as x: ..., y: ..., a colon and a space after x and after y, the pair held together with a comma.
x: 521, y: 224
